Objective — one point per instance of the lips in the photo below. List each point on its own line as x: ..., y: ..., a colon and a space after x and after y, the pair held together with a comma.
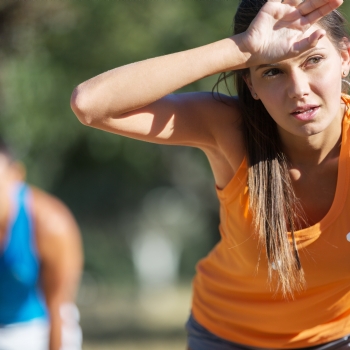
x: 305, y: 112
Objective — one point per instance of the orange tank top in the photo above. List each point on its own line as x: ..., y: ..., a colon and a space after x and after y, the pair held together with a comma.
x: 231, y: 294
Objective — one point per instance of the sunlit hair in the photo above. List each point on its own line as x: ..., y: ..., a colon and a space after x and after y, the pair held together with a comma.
x: 273, y: 203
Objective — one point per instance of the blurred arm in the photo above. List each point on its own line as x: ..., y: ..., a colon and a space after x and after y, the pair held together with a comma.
x: 60, y: 251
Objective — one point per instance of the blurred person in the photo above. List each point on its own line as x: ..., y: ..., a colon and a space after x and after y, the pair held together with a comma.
x: 280, y: 276
x: 40, y: 265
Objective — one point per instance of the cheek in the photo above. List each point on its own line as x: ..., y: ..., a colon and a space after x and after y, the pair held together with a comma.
x: 276, y: 108
x: 268, y: 92
x: 272, y: 97
x: 330, y: 75
x: 328, y: 88
x: 327, y: 78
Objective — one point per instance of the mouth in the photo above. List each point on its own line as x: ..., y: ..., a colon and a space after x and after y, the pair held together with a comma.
x: 306, y: 112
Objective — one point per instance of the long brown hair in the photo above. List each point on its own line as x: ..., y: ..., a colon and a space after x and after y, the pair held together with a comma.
x: 274, y: 205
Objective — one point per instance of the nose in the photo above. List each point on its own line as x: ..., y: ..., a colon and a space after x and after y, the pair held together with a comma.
x: 298, y: 85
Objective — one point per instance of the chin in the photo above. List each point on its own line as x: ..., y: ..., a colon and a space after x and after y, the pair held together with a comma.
x: 311, y: 130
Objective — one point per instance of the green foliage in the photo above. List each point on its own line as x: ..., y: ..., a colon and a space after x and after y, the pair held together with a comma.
x: 47, y: 47
x: 55, y: 45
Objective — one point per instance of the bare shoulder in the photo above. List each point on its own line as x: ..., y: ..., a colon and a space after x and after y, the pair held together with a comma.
x: 212, y: 114
x: 54, y: 224
x: 224, y: 113
x: 51, y: 214
x: 213, y: 106
x: 59, y: 248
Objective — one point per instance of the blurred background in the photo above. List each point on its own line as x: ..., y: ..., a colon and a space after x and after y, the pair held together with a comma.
x: 147, y: 213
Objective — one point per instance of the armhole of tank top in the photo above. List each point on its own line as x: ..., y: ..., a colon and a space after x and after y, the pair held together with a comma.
x: 235, y: 184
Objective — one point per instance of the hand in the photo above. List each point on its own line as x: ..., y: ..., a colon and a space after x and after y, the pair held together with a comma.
x: 282, y: 30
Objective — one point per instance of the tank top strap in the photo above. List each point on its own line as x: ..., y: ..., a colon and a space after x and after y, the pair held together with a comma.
x: 21, y: 251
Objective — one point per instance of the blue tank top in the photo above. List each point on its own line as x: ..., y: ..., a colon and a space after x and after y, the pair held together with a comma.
x: 21, y: 299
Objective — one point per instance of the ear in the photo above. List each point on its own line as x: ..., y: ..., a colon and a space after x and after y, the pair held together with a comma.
x: 248, y: 81
x: 345, y: 56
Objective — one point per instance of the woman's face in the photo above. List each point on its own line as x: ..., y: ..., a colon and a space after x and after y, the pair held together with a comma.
x: 302, y: 94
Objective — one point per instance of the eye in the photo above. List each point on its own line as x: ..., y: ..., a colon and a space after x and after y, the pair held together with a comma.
x: 314, y: 60
x: 271, y: 72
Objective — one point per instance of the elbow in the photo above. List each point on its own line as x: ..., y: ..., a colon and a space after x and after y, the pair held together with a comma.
x: 80, y: 106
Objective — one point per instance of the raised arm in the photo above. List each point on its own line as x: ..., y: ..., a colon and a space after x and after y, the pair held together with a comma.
x: 134, y: 100
x: 130, y: 100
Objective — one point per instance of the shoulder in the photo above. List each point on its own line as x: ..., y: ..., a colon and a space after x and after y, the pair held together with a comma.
x: 54, y: 224
x: 226, y: 113
x: 59, y: 248
x: 49, y: 212
x: 218, y: 113
x: 215, y: 105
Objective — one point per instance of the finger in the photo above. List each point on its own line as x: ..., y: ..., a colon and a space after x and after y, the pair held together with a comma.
x: 309, y: 42
x: 316, y: 15
x: 294, y: 3
x: 318, y: 8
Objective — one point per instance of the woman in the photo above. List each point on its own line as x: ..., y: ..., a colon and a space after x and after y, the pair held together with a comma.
x: 279, y: 277
x: 41, y: 260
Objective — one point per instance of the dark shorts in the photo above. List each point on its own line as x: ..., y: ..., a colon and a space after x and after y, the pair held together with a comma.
x: 198, y: 338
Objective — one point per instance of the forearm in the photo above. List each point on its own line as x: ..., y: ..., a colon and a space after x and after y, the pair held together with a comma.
x: 65, y: 331
x: 55, y: 328
x: 136, y: 85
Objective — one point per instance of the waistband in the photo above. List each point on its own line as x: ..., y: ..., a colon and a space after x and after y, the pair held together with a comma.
x: 199, y: 338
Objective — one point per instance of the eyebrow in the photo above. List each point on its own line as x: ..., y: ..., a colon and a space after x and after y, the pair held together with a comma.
x: 266, y: 65
x: 273, y: 65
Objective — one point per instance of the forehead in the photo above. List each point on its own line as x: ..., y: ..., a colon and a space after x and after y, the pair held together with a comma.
x: 325, y: 41
x: 324, y: 46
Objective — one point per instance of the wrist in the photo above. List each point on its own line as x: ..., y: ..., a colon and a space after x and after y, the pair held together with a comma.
x: 235, y: 54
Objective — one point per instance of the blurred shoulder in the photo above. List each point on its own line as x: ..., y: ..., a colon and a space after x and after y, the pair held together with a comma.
x: 58, y: 244
x: 51, y: 216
